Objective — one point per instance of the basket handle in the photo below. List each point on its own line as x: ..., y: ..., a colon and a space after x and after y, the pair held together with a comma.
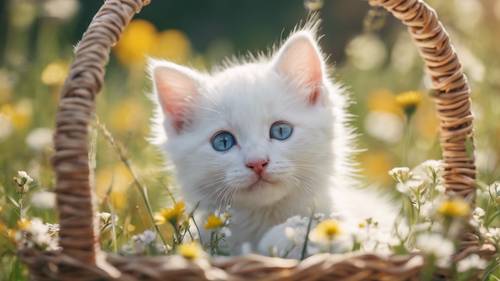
x: 452, y: 91
x: 78, y: 236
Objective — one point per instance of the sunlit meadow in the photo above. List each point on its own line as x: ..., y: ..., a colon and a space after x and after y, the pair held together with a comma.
x: 140, y: 209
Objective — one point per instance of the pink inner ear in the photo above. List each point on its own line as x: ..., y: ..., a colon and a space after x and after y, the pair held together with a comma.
x: 314, y: 96
x: 175, y: 91
x: 301, y: 61
x: 172, y: 107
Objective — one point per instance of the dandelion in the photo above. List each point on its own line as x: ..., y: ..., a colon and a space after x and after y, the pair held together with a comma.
x: 437, y: 246
x: 119, y: 178
x: 172, y: 44
x: 190, y: 251
x: 136, y: 42
x: 375, y: 164
x: 127, y: 115
x: 43, y: 199
x: 454, y: 208
x: 213, y: 222
x: 326, y: 231
x: 471, y: 262
x: 173, y: 215
x: 54, y: 73
x: 19, y: 114
x: 409, y: 101
x: 383, y: 100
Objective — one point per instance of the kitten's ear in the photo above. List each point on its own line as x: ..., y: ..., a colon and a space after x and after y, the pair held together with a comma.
x: 177, y: 89
x: 300, y: 60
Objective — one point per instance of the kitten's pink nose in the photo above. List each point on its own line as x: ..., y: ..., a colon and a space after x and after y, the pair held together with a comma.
x: 258, y: 166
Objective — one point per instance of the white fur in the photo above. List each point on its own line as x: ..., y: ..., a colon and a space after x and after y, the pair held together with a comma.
x: 311, y: 168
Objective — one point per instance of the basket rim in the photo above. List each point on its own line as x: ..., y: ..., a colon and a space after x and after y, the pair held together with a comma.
x: 78, y: 233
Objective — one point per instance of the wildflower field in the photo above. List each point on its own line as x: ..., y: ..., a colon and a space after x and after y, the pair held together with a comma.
x: 140, y: 209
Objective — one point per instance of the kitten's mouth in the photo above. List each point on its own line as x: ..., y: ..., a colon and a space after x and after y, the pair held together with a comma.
x: 260, y: 183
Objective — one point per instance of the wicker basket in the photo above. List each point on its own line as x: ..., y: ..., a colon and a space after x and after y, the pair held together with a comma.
x: 81, y: 257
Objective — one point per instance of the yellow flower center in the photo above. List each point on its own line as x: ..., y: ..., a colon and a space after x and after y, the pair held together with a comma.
x: 326, y: 230
x: 23, y: 224
x: 191, y: 250
x: 172, y: 215
x: 410, y: 98
x: 454, y: 208
x: 213, y: 222
x: 409, y: 101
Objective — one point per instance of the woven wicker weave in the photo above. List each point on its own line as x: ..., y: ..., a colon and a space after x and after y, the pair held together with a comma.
x: 81, y: 258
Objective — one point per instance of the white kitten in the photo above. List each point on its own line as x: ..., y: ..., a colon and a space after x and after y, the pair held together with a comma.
x: 268, y: 136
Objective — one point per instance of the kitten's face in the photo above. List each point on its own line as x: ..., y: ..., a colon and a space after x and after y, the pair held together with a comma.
x: 251, y: 134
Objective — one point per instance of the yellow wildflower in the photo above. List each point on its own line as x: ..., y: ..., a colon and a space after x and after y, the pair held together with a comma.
x: 118, y: 199
x: 54, y: 73
x: 375, y: 165
x: 190, y: 251
x: 136, y: 42
x: 11, y: 234
x: 130, y: 228
x: 213, y: 222
x: 454, y: 208
x: 383, y: 101
x: 173, y: 215
x: 118, y: 178
x: 19, y: 114
x: 127, y: 115
x: 409, y: 101
x: 426, y: 121
x: 23, y: 224
x: 326, y: 231
x: 7, y: 232
x: 172, y: 44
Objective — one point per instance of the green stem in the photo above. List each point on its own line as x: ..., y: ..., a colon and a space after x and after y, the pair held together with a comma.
x: 306, y: 239
x: 140, y: 186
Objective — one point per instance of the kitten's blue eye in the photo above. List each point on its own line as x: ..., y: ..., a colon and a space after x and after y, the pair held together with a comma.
x: 223, y: 141
x: 281, y: 130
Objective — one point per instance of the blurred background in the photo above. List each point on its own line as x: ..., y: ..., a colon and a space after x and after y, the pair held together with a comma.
x: 371, y: 54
